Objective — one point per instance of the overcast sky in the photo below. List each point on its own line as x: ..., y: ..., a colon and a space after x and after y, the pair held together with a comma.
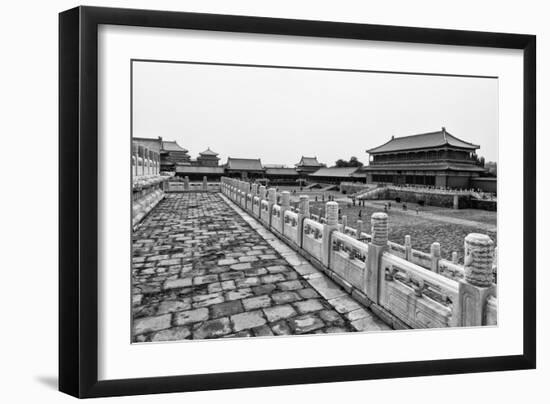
x: 279, y: 115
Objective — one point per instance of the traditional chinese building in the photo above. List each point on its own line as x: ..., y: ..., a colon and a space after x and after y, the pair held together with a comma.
x: 308, y: 165
x: 282, y: 175
x: 171, y: 153
x: 333, y: 175
x: 434, y: 159
x: 244, y: 168
x: 208, y: 158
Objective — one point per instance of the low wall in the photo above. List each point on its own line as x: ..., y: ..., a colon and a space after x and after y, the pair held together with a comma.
x: 404, y: 287
x: 445, y: 200
x: 147, y: 192
x: 457, y: 199
x: 484, y: 204
x: 188, y: 186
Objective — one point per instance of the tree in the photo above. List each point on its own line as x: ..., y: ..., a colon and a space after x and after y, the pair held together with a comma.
x: 492, y: 167
x: 353, y: 162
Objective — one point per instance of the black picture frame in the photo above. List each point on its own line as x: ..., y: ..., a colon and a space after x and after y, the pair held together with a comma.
x: 78, y: 200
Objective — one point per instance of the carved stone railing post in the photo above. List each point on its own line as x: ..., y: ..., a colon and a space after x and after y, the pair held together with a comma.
x: 454, y: 257
x: 304, y: 206
x: 435, y: 252
x: 344, y: 223
x: 477, y: 285
x: 262, y: 192
x: 135, y: 157
x: 455, y: 201
x: 186, y: 183
x: 360, y: 226
x: 495, y: 265
x: 254, y: 190
x: 328, y: 228
x: 408, y: 248
x: 204, y: 183
x: 303, y: 213
x: 285, y: 205
x: 271, y: 200
x: 247, y: 192
x: 377, y: 246
x: 244, y: 192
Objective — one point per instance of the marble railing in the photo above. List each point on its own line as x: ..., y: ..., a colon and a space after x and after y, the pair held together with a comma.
x: 147, y: 192
x: 405, y: 287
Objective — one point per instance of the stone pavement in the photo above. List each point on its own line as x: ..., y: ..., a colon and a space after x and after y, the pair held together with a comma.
x: 202, y: 268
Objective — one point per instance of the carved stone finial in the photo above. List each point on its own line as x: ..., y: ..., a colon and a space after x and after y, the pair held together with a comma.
x: 285, y: 199
x: 435, y: 249
x: 332, y: 213
x: 478, y: 259
x: 272, y: 196
x: 379, y: 223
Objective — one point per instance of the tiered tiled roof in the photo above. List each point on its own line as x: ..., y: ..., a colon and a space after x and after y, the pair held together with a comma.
x: 334, y: 172
x: 208, y: 152
x: 309, y: 161
x: 244, y: 164
x: 151, y: 144
x: 281, y: 171
x: 423, y: 141
x: 172, y: 146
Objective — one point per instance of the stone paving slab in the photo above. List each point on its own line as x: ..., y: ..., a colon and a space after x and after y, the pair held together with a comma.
x: 202, y: 268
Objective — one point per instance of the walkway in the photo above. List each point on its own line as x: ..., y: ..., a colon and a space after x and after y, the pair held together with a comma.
x: 204, y: 269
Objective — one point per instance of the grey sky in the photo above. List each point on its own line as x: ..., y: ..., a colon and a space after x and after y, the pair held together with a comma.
x: 279, y: 115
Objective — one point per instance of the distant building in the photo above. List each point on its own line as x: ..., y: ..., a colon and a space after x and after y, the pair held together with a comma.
x: 282, y: 175
x: 434, y: 159
x: 244, y: 168
x: 208, y: 158
x: 334, y: 175
x: 206, y: 165
x: 308, y: 165
x: 197, y: 173
x: 171, y: 153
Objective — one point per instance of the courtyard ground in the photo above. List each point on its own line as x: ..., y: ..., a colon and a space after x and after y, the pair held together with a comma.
x: 202, y: 268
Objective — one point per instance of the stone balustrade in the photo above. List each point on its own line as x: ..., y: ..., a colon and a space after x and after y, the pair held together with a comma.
x: 184, y: 185
x: 147, y: 192
x: 405, y: 287
x: 145, y: 162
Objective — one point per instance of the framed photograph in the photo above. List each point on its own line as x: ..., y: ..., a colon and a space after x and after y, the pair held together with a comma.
x: 250, y: 201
